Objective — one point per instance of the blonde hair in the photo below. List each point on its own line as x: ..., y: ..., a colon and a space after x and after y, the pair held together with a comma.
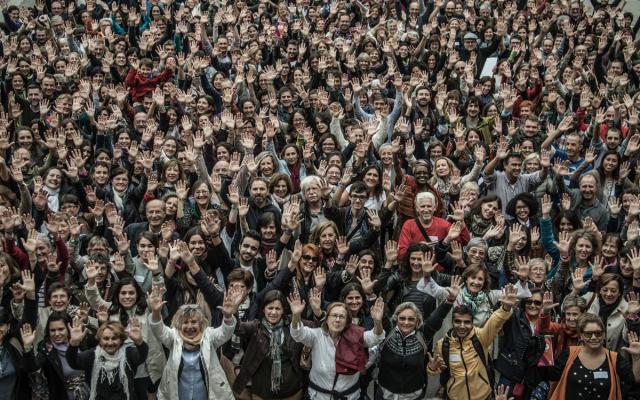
x: 187, y: 311
x: 408, y: 305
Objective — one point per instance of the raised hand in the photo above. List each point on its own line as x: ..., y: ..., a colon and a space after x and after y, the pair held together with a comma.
x: 578, y: 280
x: 633, y: 303
x: 77, y: 332
x: 391, y: 251
x: 564, y: 241
x: 454, y: 288
x: 319, y: 277
x: 547, y: 303
x: 501, y: 393
x: 28, y: 335
x: 377, y: 311
x: 428, y: 263
x: 366, y: 282
x: 134, y: 331
x: 296, y: 304
x: 155, y: 298
x: 436, y: 363
x: 634, y: 345
x: 509, y: 297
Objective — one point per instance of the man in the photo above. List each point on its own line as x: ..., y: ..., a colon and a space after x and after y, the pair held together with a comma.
x: 584, y: 200
x: 510, y: 182
x: 436, y: 229
x: 353, y: 221
x: 155, y: 213
x: 260, y: 202
x: 462, y: 355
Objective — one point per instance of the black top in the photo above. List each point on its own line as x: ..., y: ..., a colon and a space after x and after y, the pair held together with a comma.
x: 589, y: 386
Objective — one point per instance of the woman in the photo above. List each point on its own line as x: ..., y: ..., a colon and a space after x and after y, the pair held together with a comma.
x: 329, y: 344
x: 267, y: 165
x: 192, y: 348
x: 447, y: 181
x: 111, y: 365
x: 402, y: 364
x: 128, y: 301
x: 272, y: 358
x: 565, y: 333
x: 325, y: 236
x: 607, y: 302
x: 591, y: 370
x: 63, y: 382
x: 372, y: 178
x: 485, y: 213
x: 523, y: 209
x: 523, y: 342
x: 280, y: 187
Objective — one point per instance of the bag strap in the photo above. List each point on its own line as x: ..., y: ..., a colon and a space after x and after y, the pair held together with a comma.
x: 422, y: 230
x: 444, y: 375
x: 355, y: 230
x: 483, y: 358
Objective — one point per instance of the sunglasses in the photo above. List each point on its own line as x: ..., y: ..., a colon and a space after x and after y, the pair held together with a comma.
x: 597, y: 334
x: 533, y: 302
x: 310, y: 258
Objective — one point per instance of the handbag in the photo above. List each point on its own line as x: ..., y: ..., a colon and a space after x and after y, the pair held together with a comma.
x: 546, y: 359
x: 305, y: 358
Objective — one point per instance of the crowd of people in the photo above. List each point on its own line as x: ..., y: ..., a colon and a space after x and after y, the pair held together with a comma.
x: 337, y: 199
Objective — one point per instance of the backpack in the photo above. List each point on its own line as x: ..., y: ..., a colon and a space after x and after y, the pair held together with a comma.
x: 488, y: 364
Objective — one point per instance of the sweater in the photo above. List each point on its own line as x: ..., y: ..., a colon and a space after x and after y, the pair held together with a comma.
x: 438, y: 230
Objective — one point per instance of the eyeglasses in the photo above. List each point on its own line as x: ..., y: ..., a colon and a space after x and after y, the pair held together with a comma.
x: 589, y: 335
x: 338, y: 316
x: 307, y: 257
x: 359, y: 197
x: 537, y: 303
x: 407, y: 319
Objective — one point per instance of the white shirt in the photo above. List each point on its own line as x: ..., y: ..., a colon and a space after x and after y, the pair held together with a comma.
x: 323, y: 356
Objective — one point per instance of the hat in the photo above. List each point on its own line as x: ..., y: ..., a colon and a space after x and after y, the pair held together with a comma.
x: 470, y: 36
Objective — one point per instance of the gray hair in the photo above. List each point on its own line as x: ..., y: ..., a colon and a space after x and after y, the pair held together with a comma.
x: 426, y: 195
x: 477, y: 242
x: 310, y: 180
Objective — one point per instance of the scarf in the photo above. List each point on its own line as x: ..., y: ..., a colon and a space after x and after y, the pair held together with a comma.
x: 473, y: 301
x: 53, y: 201
x: 192, y: 343
x: 275, y: 352
x: 605, y: 310
x: 109, y: 367
x: 479, y: 226
x: 117, y: 199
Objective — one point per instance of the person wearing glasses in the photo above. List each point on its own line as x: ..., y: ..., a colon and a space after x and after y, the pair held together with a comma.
x: 355, y: 221
x: 607, y: 302
x: 523, y: 342
x: 591, y: 370
x: 329, y: 377
x: 402, y: 363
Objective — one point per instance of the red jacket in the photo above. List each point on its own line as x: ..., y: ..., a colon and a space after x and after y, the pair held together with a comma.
x: 139, y: 85
x: 438, y: 230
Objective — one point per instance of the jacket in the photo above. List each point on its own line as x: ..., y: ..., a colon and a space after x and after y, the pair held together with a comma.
x: 139, y: 85
x: 155, y: 360
x: 256, y: 341
x: 212, y: 339
x: 616, y: 324
x: 612, y: 358
x: 521, y: 348
x: 469, y: 379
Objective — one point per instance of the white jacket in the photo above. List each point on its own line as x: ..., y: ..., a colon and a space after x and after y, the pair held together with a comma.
x: 212, y: 338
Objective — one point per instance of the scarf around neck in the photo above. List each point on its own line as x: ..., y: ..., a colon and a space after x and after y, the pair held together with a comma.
x: 473, y: 301
x: 605, y: 310
x: 107, y: 367
x: 275, y: 352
